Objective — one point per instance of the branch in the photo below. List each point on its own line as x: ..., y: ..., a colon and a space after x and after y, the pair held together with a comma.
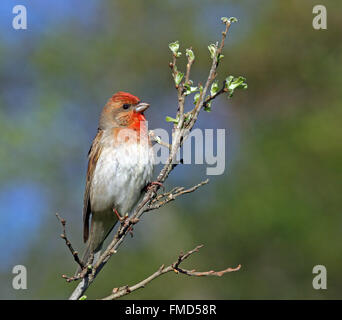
x: 163, y: 199
x: 157, y: 139
x: 214, y: 96
x: 211, y: 77
x: 68, y: 243
x: 181, y: 129
x: 120, y: 292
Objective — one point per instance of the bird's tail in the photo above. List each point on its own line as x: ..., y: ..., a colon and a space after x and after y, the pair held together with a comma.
x: 101, y: 225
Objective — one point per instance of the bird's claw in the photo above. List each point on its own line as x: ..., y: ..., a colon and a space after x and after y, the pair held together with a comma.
x: 120, y: 218
x: 154, y: 183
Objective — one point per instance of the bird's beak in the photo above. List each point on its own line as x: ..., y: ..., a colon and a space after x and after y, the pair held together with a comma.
x: 141, y: 107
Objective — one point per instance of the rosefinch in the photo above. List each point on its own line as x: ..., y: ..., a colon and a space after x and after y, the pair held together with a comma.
x: 120, y: 167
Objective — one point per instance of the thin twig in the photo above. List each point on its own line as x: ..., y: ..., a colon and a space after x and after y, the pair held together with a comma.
x: 122, y: 291
x: 172, y: 195
x: 211, y: 78
x: 157, y: 139
x: 68, y: 243
x: 188, y: 68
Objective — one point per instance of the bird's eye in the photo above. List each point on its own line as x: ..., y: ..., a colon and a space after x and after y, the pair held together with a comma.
x: 126, y: 106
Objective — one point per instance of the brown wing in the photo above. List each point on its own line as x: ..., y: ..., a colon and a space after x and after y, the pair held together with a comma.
x: 93, y: 156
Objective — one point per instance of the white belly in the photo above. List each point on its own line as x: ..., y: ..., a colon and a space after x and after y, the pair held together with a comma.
x: 119, y: 177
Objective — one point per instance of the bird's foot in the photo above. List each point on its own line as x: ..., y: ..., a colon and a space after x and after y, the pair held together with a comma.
x: 120, y: 218
x: 153, y: 183
x: 128, y: 223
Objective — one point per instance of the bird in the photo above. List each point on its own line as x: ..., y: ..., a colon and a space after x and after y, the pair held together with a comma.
x: 120, y: 167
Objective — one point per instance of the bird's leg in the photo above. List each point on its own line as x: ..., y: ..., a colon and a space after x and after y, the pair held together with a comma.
x: 120, y: 218
x: 153, y: 183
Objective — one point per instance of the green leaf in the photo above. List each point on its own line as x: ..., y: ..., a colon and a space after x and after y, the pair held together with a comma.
x: 207, y: 106
x: 212, y: 50
x: 83, y: 298
x: 189, y: 89
x: 196, y: 97
x: 174, y: 47
x: 232, y: 20
x: 229, y: 81
x: 235, y: 83
x: 188, y: 117
x: 170, y: 119
x: 157, y: 139
x: 178, y: 77
x: 214, y: 88
x: 190, y: 54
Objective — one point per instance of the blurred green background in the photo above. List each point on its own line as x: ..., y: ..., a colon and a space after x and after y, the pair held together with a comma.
x: 277, y: 208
